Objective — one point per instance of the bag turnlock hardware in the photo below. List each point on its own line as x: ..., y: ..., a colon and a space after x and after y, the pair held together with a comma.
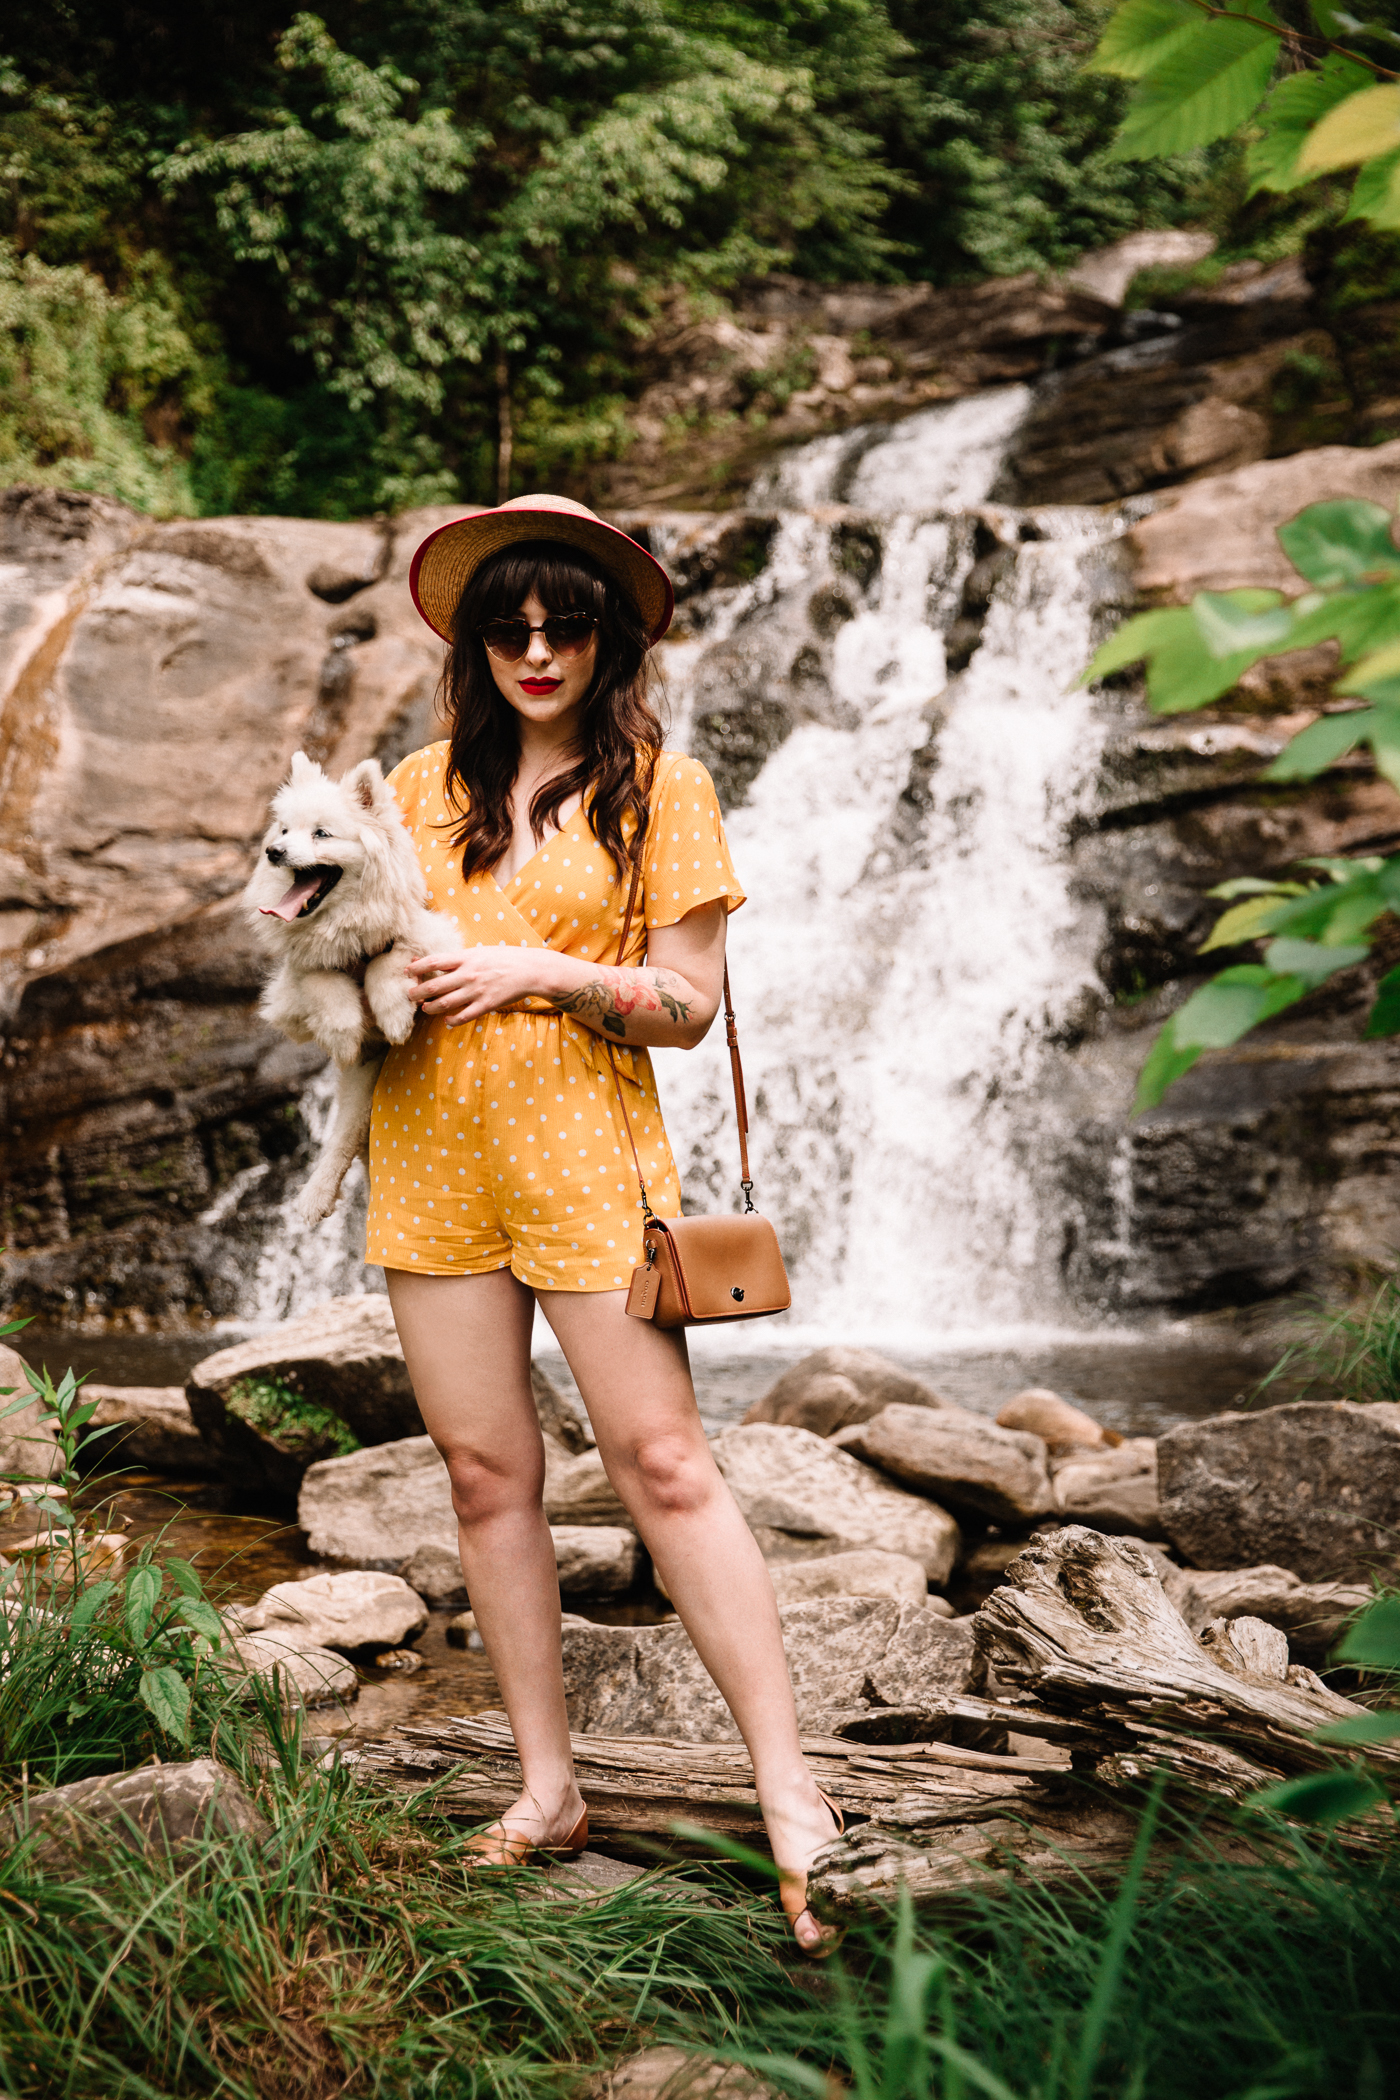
x: 737, y: 1293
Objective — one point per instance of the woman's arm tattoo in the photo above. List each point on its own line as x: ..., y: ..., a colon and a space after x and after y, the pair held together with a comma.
x: 607, y: 1000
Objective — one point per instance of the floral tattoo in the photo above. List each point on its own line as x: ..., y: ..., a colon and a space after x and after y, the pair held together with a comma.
x: 608, y: 1000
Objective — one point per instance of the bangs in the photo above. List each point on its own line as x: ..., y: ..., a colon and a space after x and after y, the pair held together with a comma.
x: 562, y: 580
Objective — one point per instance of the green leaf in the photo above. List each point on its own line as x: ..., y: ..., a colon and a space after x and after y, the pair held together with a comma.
x: 1341, y: 542
x: 1228, y: 626
x: 167, y: 1695
x: 1376, y: 677
x: 1295, y: 105
x: 1140, y: 636
x: 1322, y: 1797
x: 1141, y: 34
x: 1165, y: 1063
x: 1232, y: 1003
x: 1319, y: 746
x: 1246, y: 922
x: 143, y: 1587
x: 185, y: 1576
x: 1253, y: 886
x: 1385, y: 1014
x: 89, y: 1605
x: 1202, y: 89
x: 1366, y: 617
x: 1311, y: 961
x: 199, y: 1614
x: 1373, y: 1642
x: 1361, y: 1729
x: 1358, y: 129
x: 1375, y: 194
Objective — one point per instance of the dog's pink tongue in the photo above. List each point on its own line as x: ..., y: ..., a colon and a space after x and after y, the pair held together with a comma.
x: 304, y: 886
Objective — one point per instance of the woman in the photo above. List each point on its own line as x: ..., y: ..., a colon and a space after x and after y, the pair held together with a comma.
x: 500, y: 1171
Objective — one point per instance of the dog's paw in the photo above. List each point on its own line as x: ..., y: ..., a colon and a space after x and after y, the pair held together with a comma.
x: 317, y: 1200
x: 341, y: 1044
x: 396, y: 1014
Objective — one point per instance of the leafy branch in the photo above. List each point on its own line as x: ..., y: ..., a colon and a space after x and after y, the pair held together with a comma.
x: 1194, y: 655
x: 1314, y: 103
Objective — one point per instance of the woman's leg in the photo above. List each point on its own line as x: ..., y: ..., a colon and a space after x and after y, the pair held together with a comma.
x: 466, y: 1341
x: 635, y: 1382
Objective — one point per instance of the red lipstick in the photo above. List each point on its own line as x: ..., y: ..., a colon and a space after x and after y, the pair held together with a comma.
x: 540, y: 685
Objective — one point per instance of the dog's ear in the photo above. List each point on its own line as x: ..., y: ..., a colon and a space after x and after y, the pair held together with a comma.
x: 364, y: 783
x: 303, y: 769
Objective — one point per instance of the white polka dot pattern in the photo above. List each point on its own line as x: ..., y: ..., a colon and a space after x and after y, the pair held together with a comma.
x: 500, y: 1144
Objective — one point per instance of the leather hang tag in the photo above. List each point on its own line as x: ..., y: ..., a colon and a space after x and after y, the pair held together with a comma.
x: 641, y: 1297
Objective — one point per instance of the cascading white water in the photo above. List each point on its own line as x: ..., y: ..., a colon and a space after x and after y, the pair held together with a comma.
x: 898, y: 975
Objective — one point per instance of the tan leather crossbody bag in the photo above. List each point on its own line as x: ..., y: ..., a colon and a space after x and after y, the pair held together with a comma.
x: 699, y: 1271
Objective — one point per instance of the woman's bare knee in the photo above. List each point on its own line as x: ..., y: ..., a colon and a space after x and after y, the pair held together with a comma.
x: 670, y: 1473
x: 483, y: 1487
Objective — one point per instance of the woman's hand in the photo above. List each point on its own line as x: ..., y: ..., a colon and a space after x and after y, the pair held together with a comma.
x: 670, y: 1000
x: 474, y: 981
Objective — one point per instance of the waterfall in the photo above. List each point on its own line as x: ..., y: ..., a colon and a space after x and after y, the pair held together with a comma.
x: 913, y: 944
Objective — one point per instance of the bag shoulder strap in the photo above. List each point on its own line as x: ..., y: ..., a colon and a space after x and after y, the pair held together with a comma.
x: 736, y: 1069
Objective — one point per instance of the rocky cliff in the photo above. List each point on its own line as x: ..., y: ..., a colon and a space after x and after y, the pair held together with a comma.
x: 155, y: 679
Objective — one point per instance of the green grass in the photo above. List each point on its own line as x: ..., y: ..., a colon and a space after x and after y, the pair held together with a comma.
x: 1344, y: 1353
x: 292, y: 1422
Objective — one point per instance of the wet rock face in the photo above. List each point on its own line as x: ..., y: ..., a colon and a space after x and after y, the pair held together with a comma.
x: 1312, y: 1487
x: 154, y: 681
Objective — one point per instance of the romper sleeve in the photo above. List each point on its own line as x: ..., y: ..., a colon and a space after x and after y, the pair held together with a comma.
x: 686, y: 860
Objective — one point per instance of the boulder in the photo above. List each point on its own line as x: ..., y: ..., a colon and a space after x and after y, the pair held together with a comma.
x: 578, y: 1491
x: 669, y: 2073
x: 436, y: 1573
x: 559, y: 1417
x: 158, y: 1809
x: 866, y: 1573
x: 307, y: 1676
x: 596, y: 1560
x: 1111, y: 1490
x: 152, y: 1427
x: 801, y: 1498
x: 1313, y: 1487
x: 361, y: 1609
x: 836, y: 1386
x: 1059, y: 1426
x: 372, y: 1506
x: 25, y: 1448
x: 344, y: 1356
x: 961, y: 1457
x: 1312, y: 1614
x: 648, y: 1680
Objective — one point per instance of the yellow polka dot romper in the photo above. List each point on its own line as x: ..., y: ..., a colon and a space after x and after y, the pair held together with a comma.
x: 500, y: 1143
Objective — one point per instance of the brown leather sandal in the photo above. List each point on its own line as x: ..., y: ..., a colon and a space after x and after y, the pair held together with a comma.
x: 792, y: 1894
x: 507, y: 1851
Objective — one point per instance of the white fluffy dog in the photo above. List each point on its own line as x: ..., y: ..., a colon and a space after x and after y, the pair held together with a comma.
x: 339, y: 900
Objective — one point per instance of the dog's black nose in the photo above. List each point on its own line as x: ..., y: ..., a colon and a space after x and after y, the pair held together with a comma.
x: 277, y: 856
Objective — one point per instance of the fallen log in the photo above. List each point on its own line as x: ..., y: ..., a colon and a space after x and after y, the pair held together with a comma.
x: 1086, y: 1653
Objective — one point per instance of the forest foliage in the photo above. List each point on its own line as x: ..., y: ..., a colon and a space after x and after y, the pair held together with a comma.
x: 302, y: 262
x: 1319, y: 95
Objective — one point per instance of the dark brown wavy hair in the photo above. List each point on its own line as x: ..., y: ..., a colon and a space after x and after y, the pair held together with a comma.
x: 619, y: 731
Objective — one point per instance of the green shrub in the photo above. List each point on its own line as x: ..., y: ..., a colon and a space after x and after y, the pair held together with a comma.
x: 294, y: 1423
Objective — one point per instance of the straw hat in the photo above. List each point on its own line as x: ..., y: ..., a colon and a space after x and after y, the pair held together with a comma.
x: 449, y: 556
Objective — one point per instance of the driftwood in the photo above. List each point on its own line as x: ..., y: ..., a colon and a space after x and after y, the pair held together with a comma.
x: 642, y: 1785
x: 1087, y: 1657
